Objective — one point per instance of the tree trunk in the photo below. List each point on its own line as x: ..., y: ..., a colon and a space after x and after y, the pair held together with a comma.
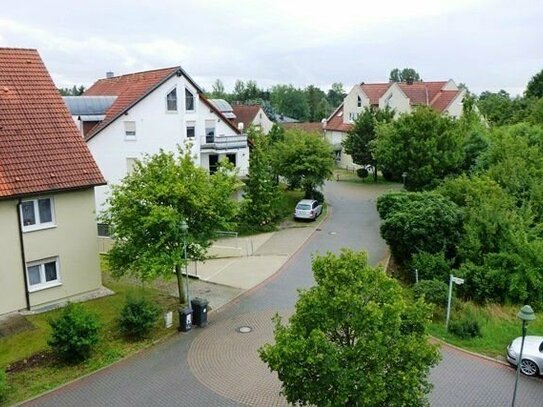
x: 182, y: 299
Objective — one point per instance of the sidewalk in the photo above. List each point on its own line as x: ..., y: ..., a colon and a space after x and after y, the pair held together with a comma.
x: 221, y: 280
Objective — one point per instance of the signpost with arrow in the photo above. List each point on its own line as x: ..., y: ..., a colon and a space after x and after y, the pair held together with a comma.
x: 458, y: 281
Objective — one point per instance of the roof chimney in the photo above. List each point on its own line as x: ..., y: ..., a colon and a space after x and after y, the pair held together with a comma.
x: 109, y: 74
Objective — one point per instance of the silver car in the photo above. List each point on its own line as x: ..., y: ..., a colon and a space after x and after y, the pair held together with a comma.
x: 532, y: 354
x: 307, y: 209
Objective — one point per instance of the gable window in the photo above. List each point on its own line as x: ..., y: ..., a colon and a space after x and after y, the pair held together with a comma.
x: 210, y: 131
x: 191, y: 129
x: 189, y: 100
x: 42, y: 274
x: 129, y: 130
x: 358, y: 101
x: 130, y: 163
x: 37, y: 214
x: 171, y: 101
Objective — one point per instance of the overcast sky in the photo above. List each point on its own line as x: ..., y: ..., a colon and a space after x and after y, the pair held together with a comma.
x: 486, y: 44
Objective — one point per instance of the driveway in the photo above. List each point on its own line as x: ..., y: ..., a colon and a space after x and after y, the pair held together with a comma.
x: 219, y: 366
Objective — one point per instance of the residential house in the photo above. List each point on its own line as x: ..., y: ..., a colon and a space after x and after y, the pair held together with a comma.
x: 252, y: 115
x: 153, y: 110
x: 445, y: 97
x: 48, y: 243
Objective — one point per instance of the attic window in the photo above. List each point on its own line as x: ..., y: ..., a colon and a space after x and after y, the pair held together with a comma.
x: 171, y: 101
x: 189, y: 100
x: 130, y: 130
x: 358, y: 101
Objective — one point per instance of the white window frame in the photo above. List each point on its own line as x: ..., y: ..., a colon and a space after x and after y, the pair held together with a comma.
x: 39, y: 225
x: 193, y: 101
x: 126, y: 130
x: 130, y: 163
x: 168, y: 110
x: 193, y: 125
x: 43, y: 284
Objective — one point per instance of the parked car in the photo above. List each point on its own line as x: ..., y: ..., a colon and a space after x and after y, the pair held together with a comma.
x: 532, y: 354
x: 307, y: 209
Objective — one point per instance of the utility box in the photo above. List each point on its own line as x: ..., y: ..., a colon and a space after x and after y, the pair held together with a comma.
x: 185, y: 319
x: 199, y: 306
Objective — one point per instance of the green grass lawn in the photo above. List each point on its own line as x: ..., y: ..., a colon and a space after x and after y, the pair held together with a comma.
x: 32, y: 381
x: 350, y: 176
x: 499, y: 325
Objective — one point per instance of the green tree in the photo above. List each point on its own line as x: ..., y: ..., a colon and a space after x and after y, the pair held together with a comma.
x: 315, y: 97
x: 147, y: 208
x: 336, y: 94
x: 354, y: 340
x: 304, y: 159
x: 422, y: 144
x: 239, y: 91
x: 500, y: 109
x: 359, y: 140
x: 408, y: 75
x: 260, y: 206
x: 218, y: 90
x: 535, y: 86
x: 290, y: 101
x: 73, y: 91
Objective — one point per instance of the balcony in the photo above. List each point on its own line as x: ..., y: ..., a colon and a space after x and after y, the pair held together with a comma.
x: 223, y: 142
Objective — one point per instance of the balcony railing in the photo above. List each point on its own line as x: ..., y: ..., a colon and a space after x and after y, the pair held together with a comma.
x: 223, y: 142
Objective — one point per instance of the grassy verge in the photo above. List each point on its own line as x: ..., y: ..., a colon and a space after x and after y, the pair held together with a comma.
x: 344, y: 175
x: 499, y: 325
x: 47, y: 373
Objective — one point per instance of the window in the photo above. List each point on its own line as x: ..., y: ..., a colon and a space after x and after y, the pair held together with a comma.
x: 103, y: 230
x: 130, y: 161
x: 42, y: 274
x: 352, y: 116
x: 37, y: 214
x: 130, y: 130
x: 231, y: 158
x: 189, y: 100
x: 191, y: 129
x: 359, y: 101
x: 213, y: 163
x: 171, y: 101
x: 210, y: 131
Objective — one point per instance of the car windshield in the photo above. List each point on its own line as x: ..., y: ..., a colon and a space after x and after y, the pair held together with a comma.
x: 303, y: 207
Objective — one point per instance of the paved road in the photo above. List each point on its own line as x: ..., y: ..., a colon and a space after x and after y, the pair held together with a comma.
x: 218, y: 366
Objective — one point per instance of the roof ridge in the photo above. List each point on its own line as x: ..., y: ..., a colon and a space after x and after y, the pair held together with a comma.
x: 18, y: 49
x: 142, y: 72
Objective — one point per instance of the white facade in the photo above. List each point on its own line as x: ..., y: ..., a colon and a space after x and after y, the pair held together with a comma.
x: 149, y: 126
x: 262, y: 121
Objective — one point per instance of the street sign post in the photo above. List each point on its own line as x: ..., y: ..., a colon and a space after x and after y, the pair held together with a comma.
x: 458, y: 281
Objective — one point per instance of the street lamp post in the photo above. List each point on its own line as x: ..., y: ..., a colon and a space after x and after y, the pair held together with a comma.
x: 184, y: 229
x: 526, y: 314
x: 185, y: 314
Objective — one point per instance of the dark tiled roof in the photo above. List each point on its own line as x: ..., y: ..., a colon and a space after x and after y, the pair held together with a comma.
x: 335, y: 122
x: 41, y: 149
x: 245, y: 114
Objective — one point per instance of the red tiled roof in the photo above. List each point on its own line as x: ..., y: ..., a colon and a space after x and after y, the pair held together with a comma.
x: 245, y: 114
x: 335, y: 122
x: 310, y: 127
x: 129, y: 89
x: 41, y: 149
x: 444, y: 99
x: 374, y: 91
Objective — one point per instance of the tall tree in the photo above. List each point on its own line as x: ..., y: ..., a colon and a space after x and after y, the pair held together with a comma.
x: 359, y: 140
x: 408, y: 75
x: 535, y: 86
x: 314, y: 98
x: 354, y: 340
x: 147, y: 208
x: 73, y: 91
x: 336, y: 94
x: 290, y: 101
x: 304, y: 159
x: 218, y: 91
x: 239, y: 91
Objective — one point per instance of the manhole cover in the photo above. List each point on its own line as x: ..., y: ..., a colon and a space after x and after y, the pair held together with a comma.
x: 244, y: 329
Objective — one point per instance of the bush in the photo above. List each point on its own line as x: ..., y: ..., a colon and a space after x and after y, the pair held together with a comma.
x: 137, y: 317
x: 75, y: 333
x: 315, y: 194
x: 431, y: 266
x: 3, y: 385
x: 434, y: 292
x: 465, y: 328
x: 362, y: 172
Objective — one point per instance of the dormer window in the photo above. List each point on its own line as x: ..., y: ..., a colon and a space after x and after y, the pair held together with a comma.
x: 189, y: 100
x: 171, y: 101
x: 358, y: 101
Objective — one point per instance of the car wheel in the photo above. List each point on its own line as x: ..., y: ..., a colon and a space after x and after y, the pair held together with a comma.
x: 528, y: 367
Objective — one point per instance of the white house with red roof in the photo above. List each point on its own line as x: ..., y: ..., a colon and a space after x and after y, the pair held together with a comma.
x: 443, y: 96
x: 48, y: 243
x: 143, y: 112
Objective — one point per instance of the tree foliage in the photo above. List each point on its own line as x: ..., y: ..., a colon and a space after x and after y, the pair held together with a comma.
x: 147, y: 208
x: 424, y: 145
x: 535, y: 86
x: 290, y: 101
x: 304, y: 159
x: 354, y: 340
x: 73, y: 91
x: 359, y: 141
x: 408, y: 75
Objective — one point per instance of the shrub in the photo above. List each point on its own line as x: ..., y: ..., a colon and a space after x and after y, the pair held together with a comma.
x: 431, y: 266
x: 137, y: 317
x: 315, y: 194
x: 465, y: 328
x: 3, y: 385
x: 362, y: 172
x: 434, y: 292
x: 75, y: 333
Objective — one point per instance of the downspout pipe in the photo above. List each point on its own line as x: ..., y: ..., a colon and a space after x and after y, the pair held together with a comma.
x: 23, y: 257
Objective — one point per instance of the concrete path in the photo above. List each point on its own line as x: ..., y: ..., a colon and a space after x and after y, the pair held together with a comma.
x: 219, y: 365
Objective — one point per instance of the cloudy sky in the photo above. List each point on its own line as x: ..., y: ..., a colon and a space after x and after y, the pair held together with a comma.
x: 487, y: 44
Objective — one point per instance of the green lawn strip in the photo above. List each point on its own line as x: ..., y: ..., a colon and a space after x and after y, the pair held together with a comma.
x: 499, y: 326
x: 351, y: 176
x: 113, y: 346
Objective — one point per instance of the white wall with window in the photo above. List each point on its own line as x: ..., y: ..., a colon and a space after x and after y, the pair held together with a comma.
x: 354, y: 103
x: 43, y: 274
x: 171, y: 101
x: 37, y: 214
